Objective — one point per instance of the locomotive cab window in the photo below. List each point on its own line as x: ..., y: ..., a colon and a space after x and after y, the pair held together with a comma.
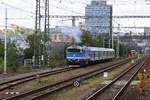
x: 73, y: 50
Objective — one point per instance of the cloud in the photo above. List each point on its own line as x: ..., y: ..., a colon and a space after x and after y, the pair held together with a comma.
x: 70, y: 7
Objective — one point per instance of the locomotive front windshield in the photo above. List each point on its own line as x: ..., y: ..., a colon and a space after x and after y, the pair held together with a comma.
x: 73, y: 50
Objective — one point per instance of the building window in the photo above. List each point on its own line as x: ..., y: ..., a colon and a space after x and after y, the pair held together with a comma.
x: 61, y: 37
x: 55, y: 37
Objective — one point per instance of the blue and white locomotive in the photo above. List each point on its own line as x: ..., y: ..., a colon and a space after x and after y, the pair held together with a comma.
x: 86, y: 55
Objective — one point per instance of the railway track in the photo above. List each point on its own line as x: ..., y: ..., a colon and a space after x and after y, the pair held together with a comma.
x: 17, y: 81
x: 20, y: 80
x: 115, y: 89
x: 49, y: 89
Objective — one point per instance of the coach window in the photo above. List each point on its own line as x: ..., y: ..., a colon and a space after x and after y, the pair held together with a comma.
x: 101, y: 53
x: 110, y: 53
x: 96, y: 53
x: 107, y: 53
x: 92, y: 54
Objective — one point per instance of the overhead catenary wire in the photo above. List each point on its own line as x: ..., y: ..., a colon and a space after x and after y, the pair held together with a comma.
x: 66, y: 9
x: 18, y: 18
x: 11, y: 6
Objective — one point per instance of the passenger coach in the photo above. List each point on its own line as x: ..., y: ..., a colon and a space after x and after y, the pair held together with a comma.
x: 87, y: 55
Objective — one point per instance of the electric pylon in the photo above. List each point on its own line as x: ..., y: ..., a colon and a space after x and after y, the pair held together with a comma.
x: 36, y: 36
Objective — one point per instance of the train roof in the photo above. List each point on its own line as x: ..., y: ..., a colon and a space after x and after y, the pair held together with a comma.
x: 91, y: 48
x: 100, y: 49
x: 79, y: 47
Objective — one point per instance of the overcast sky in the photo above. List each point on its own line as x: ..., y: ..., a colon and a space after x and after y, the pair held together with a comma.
x: 26, y: 8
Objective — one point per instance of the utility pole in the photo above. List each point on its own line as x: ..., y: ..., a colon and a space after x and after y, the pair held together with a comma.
x: 73, y: 21
x: 110, y: 30
x: 104, y: 42
x: 5, y: 44
x: 118, y: 41
x: 112, y: 40
x: 109, y: 42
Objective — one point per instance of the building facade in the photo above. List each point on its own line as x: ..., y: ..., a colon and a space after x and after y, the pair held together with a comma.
x: 61, y: 38
x: 16, y: 29
x: 147, y: 31
x: 57, y: 29
x: 99, y: 17
x: 59, y: 42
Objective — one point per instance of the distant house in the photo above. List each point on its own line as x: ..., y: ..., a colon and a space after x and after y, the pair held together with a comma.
x: 16, y: 29
x: 59, y: 43
x: 61, y: 38
x: 19, y: 40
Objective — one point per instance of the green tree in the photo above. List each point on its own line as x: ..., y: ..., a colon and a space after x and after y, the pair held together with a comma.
x: 12, y: 56
x: 1, y: 55
x: 100, y: 41
x: 28, y: 52
x: 41, y: 40
x: 86, y: 38
x: 1, y: 49
x: 124, y: 50
x: 97, y: 41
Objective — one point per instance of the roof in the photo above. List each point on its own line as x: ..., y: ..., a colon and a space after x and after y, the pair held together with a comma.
x: 100, y: 49
x: 92, y: 48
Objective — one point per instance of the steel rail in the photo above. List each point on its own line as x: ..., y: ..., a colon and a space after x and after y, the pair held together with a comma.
x: 11, y: 83
x: 102, y: 89
x: 120, y: 93
x: 52, y: 88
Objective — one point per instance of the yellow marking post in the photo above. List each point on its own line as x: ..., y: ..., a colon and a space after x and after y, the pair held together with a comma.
x: 142, y: 78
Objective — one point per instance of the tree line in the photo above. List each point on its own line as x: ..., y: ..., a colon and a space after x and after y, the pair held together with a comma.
x: 102, y: 40
x: 16, y: 55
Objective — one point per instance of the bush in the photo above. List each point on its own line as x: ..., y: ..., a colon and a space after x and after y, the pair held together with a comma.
x: 23, y: 69
x: 1, y: 65
x: 56, y: 61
